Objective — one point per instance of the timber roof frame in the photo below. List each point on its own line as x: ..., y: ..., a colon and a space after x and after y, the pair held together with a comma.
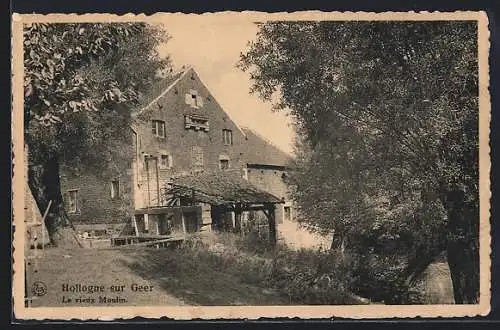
x: 220, y: 188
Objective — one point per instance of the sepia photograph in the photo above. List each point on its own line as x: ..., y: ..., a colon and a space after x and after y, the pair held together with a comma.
x: 250, y: 164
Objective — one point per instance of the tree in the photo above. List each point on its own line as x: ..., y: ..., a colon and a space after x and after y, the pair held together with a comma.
x: 80, y: 80
x: 389, y: 116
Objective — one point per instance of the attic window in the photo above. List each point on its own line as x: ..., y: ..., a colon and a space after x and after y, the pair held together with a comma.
x: 196, y: 122
x: 227, y: 137
x: 194, y: 99
x: 158, y: 128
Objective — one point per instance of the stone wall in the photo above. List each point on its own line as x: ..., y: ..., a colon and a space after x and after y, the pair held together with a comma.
x: 181, y: 143
x: 270, y: 179
x: 94, y: 201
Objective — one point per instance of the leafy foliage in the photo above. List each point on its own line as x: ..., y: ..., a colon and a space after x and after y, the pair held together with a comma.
x: 386, y: 114
x: 79, y: 80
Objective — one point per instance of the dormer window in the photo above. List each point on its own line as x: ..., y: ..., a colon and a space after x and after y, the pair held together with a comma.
x: 158, y: 128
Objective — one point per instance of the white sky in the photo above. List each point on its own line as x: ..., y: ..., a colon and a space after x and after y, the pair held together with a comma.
x: 212, y: 48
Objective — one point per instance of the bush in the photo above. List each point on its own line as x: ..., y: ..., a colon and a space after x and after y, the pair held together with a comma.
x: 381, y: 278
x: 313, y: 277
x: 303, y: 276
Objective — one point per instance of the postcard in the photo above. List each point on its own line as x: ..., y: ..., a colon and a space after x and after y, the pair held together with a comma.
x: 246, y: 165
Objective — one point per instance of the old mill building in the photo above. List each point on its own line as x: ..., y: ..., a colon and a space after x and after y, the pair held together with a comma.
x: 182, y: 138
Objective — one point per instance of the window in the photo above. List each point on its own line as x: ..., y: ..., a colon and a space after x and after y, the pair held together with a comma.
x: 227, y: 137
x: 165, y: 162
x: 224, y: 164
x: 115, y: 189
x: 72, y: 201
x: 197, y: 155
x: 194, y: 99
x: 196, y: 122
x: 158, y: 128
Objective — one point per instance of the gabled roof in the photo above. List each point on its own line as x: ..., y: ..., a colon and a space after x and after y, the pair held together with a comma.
x: 220, y: 187
x: 159, y: 89
x: 162, y: 87
x: 260, y: 151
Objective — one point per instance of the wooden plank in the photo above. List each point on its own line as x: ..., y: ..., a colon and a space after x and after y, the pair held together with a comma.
x: 167, y: 209
x: 134, y: 223
x: 183, y: 220
x: 155, y: 242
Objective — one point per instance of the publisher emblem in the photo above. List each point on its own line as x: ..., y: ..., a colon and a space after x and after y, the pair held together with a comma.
x: 39, y: 289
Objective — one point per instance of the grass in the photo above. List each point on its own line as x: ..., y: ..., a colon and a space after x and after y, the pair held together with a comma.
x: 215, y: 270
x: 218, y: 269
x: 178, y: 277
x: 106, y: 267
x: 202, y: 278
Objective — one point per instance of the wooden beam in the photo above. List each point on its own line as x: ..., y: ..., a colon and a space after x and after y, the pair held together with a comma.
x: 237, y: 218
x: 271, y: 217
x: 167, y: 209
x: 183, y: 220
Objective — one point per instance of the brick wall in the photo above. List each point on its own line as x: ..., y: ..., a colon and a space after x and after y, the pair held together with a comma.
x: 94, y: 202
x: 139, y: 183
x: 179, y: 141
x: 271, y: 180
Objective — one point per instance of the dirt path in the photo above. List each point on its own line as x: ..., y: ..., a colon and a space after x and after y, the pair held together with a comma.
x: 438, y: 288
x: 94, y: 267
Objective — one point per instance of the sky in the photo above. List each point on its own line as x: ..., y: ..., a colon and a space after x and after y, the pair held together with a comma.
x: 212, y: 48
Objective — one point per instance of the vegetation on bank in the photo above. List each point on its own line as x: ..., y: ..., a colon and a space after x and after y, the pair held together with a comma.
x: 226, y: 266
x: 387, y: 150
x: 227, y: 269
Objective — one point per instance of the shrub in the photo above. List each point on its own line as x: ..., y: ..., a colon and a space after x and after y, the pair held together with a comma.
x: 303, y: 276
x: 312, y: 277
x: 381, y: 278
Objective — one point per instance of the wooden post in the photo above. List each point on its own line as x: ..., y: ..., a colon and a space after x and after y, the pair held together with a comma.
x: 134, y: 224
x: 183, y: 223
x: 271, y: 217
x: 157, y: 183
x: 147, y: 178
x: 237, y: 218
x: 146, y: 222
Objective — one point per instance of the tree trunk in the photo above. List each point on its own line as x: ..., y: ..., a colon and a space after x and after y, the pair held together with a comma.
x: 338, y: 242
x: 463, y: 247
x: 44, y: 183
